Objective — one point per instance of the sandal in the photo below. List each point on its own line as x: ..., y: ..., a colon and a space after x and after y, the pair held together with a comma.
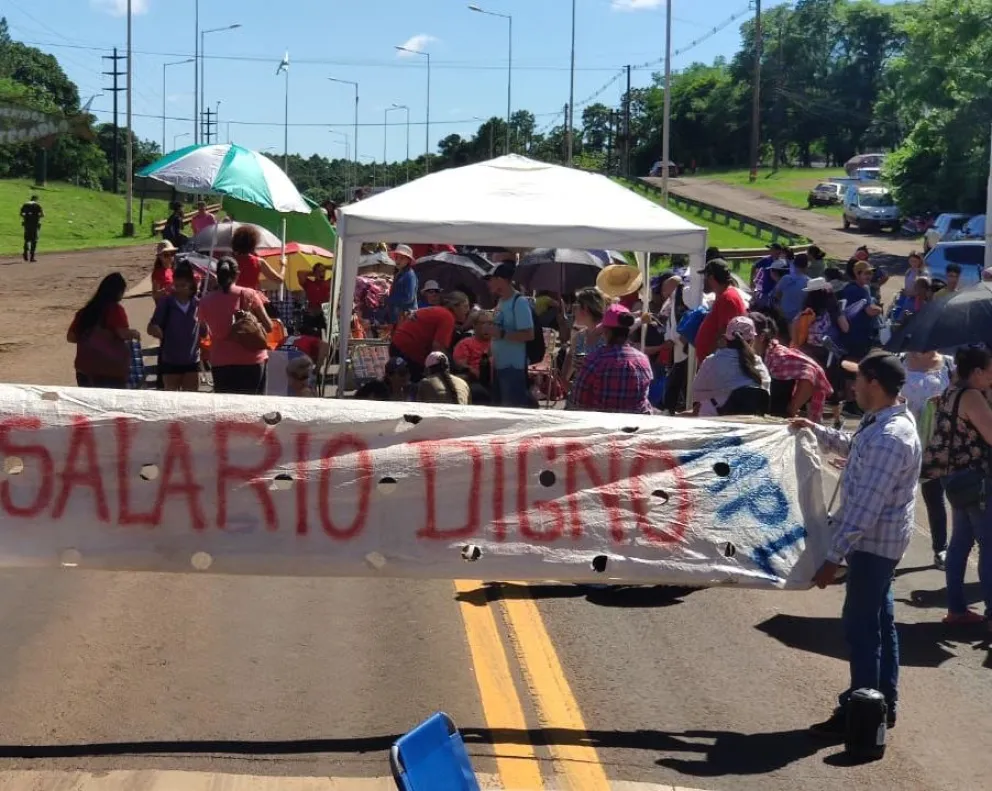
x: 968, y: 617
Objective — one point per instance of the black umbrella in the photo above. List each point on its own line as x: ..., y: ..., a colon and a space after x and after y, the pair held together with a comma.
x: 948, y: 322
x: 560, y: 270
x: 465, y: 273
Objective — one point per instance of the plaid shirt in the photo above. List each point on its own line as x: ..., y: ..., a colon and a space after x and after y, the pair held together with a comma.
x: 613, y: 379
x: 785, y: 365
x: 878, y: 486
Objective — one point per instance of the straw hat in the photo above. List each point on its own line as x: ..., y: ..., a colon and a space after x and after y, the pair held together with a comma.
x: 618, y: 280
x: 165, y: 246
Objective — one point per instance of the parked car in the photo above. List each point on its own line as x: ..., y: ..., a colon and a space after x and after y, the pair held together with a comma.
x: 973, y: 229
x: 944, y: 229
x: 826, y: 193
x: 870, y: 207
x: 968, y: 254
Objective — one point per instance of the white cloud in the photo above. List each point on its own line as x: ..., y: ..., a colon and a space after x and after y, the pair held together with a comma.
x: 636, y: 5
x: 415, y: 44
x: 119, y: 7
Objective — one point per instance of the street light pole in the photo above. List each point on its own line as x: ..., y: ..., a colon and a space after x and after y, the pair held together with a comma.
x: 355, y: 85
x: 509, y: 67
x: 203, y: 56
x: 666, y: 124
x: 129, y: 221
x: 196, y: 73
x: 175, y: 139
x: 427, y: 145
x: 407, y: 109
x: 571, y: 91
x: 164, y: 67
x: 347, y: 155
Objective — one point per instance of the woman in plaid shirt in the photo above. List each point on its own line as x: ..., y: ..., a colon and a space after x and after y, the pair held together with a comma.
x: 615, y: 377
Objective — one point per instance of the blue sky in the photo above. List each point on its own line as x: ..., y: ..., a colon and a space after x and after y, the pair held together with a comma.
x: 357, y: 39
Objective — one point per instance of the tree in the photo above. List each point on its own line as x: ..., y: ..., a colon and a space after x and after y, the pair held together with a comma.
x: 143, y: 152
x: 596, y: 123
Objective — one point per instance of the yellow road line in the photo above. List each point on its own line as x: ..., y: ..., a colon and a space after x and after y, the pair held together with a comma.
x: 516, y: 763
x: 578, y: 763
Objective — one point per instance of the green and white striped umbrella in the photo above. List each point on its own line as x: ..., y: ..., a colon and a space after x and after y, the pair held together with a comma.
x: 229, y: 170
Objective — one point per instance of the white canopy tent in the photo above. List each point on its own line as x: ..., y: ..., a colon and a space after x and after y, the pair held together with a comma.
x: 512, y: 201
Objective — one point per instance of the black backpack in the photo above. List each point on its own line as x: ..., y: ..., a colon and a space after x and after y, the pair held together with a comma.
x: 536, y: 348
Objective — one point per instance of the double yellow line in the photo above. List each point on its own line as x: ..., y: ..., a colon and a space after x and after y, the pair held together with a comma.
x: 517, y: 763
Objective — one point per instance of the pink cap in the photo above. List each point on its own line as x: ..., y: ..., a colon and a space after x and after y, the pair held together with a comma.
x: 611, y: 319
x: 741, y: 327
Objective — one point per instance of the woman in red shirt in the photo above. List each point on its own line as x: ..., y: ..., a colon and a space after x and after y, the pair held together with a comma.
x: 316, y: 287
x: 101, y: 333
x: 244, y: 243
x: 165, y: 261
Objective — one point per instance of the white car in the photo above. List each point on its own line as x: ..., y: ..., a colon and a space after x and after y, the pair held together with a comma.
x: 944, y: 229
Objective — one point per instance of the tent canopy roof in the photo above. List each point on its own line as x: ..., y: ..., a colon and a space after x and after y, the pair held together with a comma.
x: 513, y: 201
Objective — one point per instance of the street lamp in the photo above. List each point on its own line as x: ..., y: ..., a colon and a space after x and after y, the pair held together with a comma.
x: 509, y: 68
x: 487, y: 121
x: 164, y: 67
x: 347, y: 154
x: 203, y: 63
x: 427, y: 148
x: 372, y: 160
x: 177, y: 138
x: 355, y: 85
x: 407, y: 109
x: 385, y: 137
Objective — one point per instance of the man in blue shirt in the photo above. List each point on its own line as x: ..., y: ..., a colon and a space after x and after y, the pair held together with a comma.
x: 403, y: 292
x: 789, y: 292
x: 514, y: 328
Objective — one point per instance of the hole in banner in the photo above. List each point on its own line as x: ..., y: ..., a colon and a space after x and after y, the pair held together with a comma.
x: 13, y: 465
x: 599, y: 563
x: 414, y: 419
x: 407, y: 423
x: 387, y: 485
x: 148, y: 472
x: 471, y: 553
x: 70, y: 558
x: 630, y: 429
x: 49, y: 395
x: 661, y: 495
x: 722, y: 469
x: 375, y: 560
x: 282, y: 482
x: 272, y: 418
x: 729, y: 550
x: 547, y: 478
x: 201, y: 561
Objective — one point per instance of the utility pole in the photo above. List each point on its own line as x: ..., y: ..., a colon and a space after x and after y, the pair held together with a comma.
x: 756, y: 93
x: 609, y: 141
x: 117, y: 135
x: 209, y: 122
x: 626, y: 128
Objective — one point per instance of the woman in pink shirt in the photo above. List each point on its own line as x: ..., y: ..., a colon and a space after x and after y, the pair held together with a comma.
x: 236, y: 368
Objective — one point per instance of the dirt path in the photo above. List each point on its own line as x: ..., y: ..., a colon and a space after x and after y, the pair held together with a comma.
x: 888, y: 249
x: 37, y: 302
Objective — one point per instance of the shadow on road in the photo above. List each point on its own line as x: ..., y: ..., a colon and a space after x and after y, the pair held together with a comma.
x: 612, y: 596
x: 731, y: 753
x: 920, y: 644
x: 937, y: 599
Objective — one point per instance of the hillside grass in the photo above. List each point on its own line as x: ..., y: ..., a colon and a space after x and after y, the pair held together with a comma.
x: 75, y: 218
x: 717, y: 234
x: 789, y: 185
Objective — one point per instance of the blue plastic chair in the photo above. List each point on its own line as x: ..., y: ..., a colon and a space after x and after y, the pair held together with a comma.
x: 432, y: 757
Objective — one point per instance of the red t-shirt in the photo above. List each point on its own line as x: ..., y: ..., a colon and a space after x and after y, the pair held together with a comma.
x: 309, y: 345
x: 114, y: 318
x: 162, y: 279
x: 318, y: 292
x: 728, y: 305
x: 249, y: 271
x: 416, y: 336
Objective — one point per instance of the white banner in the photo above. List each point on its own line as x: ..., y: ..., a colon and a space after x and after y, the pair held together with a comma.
x: 148, y: 481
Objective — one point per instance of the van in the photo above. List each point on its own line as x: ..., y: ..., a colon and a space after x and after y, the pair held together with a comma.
x: 871, y: 208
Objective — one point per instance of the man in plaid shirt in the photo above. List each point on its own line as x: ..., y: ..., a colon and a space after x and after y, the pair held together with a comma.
x: 797, y: 380
x: 873, y: 528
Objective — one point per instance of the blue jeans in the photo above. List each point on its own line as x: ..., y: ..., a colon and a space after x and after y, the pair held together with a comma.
x: 512, y: 388
x: 870, y: 626
x: 969, y: 526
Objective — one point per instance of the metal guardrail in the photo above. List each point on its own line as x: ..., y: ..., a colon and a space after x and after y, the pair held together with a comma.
x: 716, y: 214
x: 159, y: 225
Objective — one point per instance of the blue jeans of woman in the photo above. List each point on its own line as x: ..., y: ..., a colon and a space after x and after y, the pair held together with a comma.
x: 870, y: 626
x: 969, y: 526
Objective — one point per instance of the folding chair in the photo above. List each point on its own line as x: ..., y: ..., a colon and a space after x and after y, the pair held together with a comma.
x: 431, y: 757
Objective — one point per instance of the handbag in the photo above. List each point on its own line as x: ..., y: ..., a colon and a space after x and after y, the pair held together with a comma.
x: 964, y: 488
x: 101, y: 354
x: 246, y: 330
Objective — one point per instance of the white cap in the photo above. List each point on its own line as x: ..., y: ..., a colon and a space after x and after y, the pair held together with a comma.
x: 435, y: 358
x: 430, y: 285
x: 817, y: 284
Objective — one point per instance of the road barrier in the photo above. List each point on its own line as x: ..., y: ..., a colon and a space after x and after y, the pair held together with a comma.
x: 159, y: 225
x: 114, y: 480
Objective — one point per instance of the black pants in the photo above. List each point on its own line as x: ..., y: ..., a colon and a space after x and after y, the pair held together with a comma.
x: 416, y: 369
x: 30, y: 242
x: 85, y: 380
x: 933, y: 498
x: 674, y: 399
x: 239, y: 379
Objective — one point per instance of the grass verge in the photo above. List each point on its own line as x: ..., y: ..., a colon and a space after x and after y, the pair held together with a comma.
x: 75, y: 218
x: 789, y: 185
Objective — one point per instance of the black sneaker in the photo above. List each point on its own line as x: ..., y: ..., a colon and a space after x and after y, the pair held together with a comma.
x: 834, y: 728
x: 890, y: 719
x: 25, y: 256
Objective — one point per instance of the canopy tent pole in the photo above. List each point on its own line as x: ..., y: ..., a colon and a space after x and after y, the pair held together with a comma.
x: 642, y: 264
x: 283, y: 262
x: 696, y: 263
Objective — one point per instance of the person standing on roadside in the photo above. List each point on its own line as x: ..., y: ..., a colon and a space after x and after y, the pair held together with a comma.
x: 729, y: 304
x: 402, y: 300
x: 514, y: 329
x: 873, y: 528
x: 31, y: 217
